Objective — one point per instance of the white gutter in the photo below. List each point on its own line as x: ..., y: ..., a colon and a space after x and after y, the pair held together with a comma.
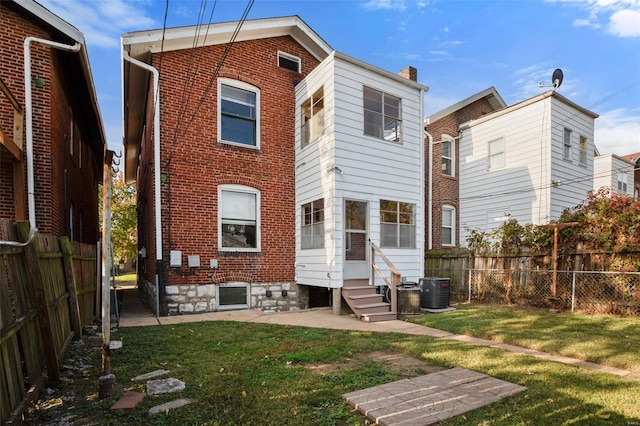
x: 430, y: 194
x: 156, y: 146
x: 29, y: 114
x: 422, y: 163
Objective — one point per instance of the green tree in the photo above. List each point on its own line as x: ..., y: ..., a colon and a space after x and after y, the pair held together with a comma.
x: 124, y: 235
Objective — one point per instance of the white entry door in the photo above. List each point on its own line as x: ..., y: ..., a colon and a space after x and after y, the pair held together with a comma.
x: 356, y: 246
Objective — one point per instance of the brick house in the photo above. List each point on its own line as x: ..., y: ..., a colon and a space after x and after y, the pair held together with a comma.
x: 250, y: 157
x: 66, y: 130
x: 442, y: 162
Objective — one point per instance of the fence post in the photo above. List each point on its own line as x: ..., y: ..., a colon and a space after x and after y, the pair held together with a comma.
x: 74, y: 308
x: 44, y: 321
x: 573, y: 293
x: 470, y: 271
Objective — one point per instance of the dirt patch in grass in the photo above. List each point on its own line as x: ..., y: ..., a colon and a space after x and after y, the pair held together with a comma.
x: 403, y: 365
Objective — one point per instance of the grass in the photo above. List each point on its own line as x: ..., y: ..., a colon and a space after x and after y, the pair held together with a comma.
x: 126, y: 278
x: 263, y: 374
x: 604, y: 340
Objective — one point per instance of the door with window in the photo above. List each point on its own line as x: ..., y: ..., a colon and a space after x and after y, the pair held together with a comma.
x: 356, y: 237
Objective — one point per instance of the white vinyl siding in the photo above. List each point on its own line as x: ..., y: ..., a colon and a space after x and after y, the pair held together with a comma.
x: 534, y: 150
x: 613, y: 173
x: 496, y: 155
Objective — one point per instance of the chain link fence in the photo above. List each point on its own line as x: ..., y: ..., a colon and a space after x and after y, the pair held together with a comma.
x: 590, y: 292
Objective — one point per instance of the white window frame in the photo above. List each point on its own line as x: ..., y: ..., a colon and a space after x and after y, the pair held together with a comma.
x: 398, y: 224
x: 384, y: 116
x: 316, y: 242
x: 246, y: 190
x: 566, y: 143
x: 623, y: 185
x: 233, y: 284
x: 451, y: 158
x: 497, y: 155
x: 452, y: 211
x: 291, y: 58
x: 241, y: 86
x: 312, y: 110
x: 583, y: 147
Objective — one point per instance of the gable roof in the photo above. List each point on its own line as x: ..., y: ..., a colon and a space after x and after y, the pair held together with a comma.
x: 45, y: 18
x: 491, y: 94
x: 635, y: 157
x: 141, y: 45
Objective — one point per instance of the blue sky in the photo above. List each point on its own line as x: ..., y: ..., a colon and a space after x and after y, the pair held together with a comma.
x: 459, y: 47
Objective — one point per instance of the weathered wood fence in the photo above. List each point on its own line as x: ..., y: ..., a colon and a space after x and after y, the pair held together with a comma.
x: 48, y: 294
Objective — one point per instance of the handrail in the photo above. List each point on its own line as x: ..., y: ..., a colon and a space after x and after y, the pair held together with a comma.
x: 395, y: 275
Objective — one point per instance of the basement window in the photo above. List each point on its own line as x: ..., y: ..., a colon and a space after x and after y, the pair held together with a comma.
x: 289, y: 62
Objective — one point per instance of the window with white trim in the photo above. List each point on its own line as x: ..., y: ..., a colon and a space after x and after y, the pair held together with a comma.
x: 566, y: 151
x: 397, y: 224
x: 382, y: 115
x: 239, y: 113
x: 288, y: 61
x: 233, y: 295
x: 583, y: 150
x: 622, y: 182
x: 496, y: 154
x: 448, y: 157
x: 238, y: 218
x: 313, y: 225
x: 448, y: 225
x: 313, y: 118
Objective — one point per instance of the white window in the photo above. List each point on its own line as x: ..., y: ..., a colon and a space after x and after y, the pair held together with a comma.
x: 566, y: 153
x: 313, y: 225
x: 382, y: 114
x: 397, y: 224
x: 448, y: 225
x: 313, y: 118
x: 448, y: 157
x: 238, y: 218
x: 583, y: 150
x: 239, y: 113
x: 622, y: 182
x: 496, y: 154
x: 232, y: 295
x: 289, y: 62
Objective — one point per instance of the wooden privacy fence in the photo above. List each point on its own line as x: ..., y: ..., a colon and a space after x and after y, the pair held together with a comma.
x: 48, y: 293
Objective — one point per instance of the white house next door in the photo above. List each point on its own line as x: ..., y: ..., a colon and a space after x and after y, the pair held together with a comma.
x: 356, y: 239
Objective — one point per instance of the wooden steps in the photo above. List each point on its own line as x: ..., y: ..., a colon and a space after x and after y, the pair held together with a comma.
x: 365, y: 302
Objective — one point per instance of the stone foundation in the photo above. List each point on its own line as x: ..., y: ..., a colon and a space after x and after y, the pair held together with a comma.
x: 199, y: 298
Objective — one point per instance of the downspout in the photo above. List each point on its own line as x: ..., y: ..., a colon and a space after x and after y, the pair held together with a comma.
x: 29, y: 115
x: 422, y: 162
x: 430, y: 194
x: 156, y: 174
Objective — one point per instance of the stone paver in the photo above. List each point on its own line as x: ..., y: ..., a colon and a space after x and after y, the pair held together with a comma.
x: 429, y: 399
x: 128, y: 401
x: 156, y: 387
x: 177, y: 403
x: 151, y: 375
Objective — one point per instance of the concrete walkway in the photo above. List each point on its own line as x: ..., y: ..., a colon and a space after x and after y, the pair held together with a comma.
x: 134, y: 314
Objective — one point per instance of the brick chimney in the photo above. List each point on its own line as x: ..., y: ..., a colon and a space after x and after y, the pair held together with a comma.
x: 410, y: 73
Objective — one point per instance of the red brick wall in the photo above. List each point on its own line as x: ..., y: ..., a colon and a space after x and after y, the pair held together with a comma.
x: 446, y: 188
x: 194, y: 164
x: 51, y: 118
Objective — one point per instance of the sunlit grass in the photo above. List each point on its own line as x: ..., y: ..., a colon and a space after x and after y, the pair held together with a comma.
x: 605, y: 340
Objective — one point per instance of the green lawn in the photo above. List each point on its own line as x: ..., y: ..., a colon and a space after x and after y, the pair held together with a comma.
x: 262, y: 374
x: 601, y: 339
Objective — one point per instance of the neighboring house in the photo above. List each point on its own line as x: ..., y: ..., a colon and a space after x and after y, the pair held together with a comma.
x: 65, y: 130
x: 635, y: 160
x: 442, y: 185
x: 529, y: 161
x: 274, y: 161
x: 613, y: 173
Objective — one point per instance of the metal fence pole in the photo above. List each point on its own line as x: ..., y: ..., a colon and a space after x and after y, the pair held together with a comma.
x: 573, y: 293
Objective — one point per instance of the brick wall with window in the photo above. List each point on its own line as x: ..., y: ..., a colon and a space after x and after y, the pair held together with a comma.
x: 196, y: 162
x: 445, y: 185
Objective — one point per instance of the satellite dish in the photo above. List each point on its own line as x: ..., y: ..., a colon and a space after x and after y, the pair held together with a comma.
x: 556, y: 78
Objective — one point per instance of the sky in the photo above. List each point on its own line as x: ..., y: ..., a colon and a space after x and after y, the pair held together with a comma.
x: 459, y: 47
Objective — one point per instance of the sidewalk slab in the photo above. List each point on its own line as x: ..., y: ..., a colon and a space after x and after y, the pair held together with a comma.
x: 128, y: 401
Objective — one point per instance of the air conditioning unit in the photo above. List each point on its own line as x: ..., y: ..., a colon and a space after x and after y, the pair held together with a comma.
x: 434, y: 292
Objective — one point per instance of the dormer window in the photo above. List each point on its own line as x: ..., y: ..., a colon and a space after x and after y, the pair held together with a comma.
x: 289, y: 62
